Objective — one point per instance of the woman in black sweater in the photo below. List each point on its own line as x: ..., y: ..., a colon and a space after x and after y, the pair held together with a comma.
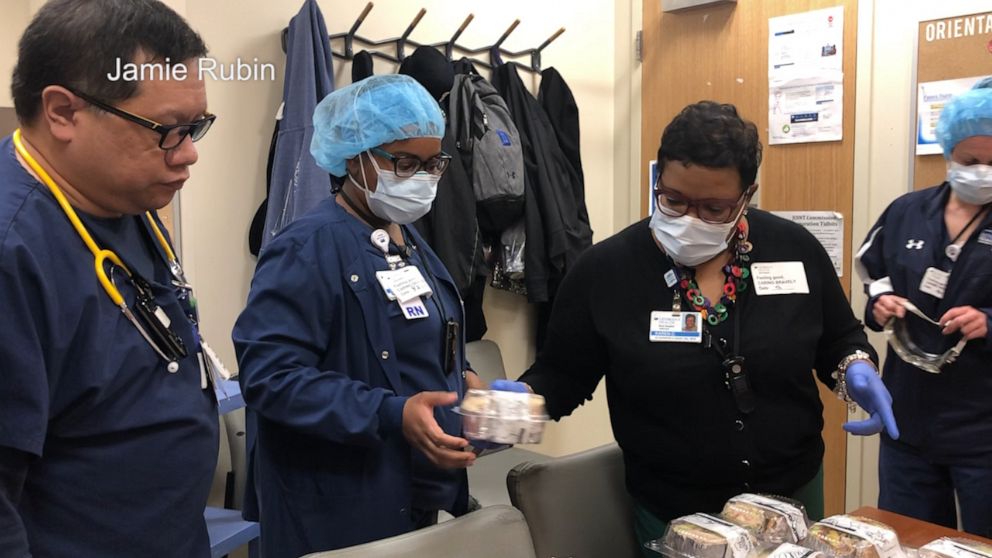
x: 701, y: 418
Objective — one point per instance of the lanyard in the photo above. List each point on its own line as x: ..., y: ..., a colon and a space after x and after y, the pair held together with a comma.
x: 403, y: 255
x: 953, y: 250
x: 150, y: 321
x: 734, y: 370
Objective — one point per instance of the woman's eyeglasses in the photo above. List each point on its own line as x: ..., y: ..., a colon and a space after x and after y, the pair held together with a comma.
x: 405, y: 166
x: 711, y: 210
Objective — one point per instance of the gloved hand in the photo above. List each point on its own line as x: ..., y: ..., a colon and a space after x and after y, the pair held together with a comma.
x: 499, y: 385
x: 865, y: 387
x: 509, y: 385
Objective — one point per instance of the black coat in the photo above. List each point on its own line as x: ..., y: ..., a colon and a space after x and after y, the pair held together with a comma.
x: 557, y: 223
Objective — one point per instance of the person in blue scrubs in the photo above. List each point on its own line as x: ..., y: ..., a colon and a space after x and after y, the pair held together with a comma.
x: 933, y: 248
x: 350, y: 348
x: 107, y: 448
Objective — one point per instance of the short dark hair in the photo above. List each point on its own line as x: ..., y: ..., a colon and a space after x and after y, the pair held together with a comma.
x: 712, y: 135
x: 76, y: 43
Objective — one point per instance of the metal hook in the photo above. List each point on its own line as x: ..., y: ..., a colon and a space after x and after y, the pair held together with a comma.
x: 550, y: 39
x: 413, y: 24
x: 401, y: 42
x: 449, y: 47
x: 361, y: 19
x: 513, y: 26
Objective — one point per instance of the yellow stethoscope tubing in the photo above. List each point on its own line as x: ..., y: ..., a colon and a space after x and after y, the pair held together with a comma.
x: 100, y: 255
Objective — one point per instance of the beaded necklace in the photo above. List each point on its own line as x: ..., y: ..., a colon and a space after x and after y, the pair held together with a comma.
x: 735, y: 272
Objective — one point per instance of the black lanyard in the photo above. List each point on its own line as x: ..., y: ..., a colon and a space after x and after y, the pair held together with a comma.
x: 952, y: 250
x: 450, y: 333
x: 734, y: 369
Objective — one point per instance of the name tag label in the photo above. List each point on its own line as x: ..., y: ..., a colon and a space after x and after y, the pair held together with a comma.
x: 778, y: 278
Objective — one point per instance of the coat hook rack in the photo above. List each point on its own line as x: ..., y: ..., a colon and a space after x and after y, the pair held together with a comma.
x: 450, y: 47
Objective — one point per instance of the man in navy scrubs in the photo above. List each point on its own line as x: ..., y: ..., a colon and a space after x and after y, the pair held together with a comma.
x: 108, y: 439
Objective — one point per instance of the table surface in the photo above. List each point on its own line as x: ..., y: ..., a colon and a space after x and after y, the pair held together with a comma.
x: 913, y: 533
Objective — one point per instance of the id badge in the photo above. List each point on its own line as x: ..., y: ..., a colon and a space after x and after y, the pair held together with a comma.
x: 385, y: 279
x: 407, y: 283
x: 675, y: 327
x: 934, y: 282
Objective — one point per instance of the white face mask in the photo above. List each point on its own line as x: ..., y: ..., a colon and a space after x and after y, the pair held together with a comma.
x: 971, y: 183
x: 688, y: 240
x: 398, y: 200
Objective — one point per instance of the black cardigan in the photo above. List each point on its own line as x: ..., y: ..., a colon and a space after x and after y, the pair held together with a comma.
x: 686, y: 446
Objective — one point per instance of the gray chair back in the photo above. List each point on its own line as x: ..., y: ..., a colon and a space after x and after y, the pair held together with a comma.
x: 486, y: 359
x: 493, y: 532
x: 577, y: 505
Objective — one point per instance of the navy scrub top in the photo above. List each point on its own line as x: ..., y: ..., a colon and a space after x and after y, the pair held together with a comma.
x: 122, y: 452
x: 326, y: 364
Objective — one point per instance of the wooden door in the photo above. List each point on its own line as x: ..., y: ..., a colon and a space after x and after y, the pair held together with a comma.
x: 721, y: 53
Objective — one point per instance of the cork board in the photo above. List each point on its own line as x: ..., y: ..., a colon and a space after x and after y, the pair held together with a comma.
x: 949, y: 48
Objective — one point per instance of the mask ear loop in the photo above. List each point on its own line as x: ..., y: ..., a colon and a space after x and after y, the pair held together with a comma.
x: 740, y: 213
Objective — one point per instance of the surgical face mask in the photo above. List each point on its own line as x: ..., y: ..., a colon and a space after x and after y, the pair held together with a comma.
x: 688, y: 240
x: 399, y: 200
x: 971, y: 183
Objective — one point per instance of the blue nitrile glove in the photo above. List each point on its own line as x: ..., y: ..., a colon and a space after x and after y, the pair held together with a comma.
x: 509, y: 385
x: 499, y: 385
x: 865, y: 387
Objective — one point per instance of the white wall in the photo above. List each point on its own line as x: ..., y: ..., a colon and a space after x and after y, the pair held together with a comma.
x: 883, y: 156
x: 12, y: 24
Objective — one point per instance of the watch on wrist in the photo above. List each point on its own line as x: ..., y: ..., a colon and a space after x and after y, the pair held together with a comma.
x: 840, y: 389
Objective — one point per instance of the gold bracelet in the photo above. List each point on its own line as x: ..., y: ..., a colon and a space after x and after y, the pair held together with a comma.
x: 841, y: 376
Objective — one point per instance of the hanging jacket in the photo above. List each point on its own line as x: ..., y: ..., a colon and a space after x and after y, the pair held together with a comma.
x: 296, y: 183
x: 557, y: 230
x: 557, y: 100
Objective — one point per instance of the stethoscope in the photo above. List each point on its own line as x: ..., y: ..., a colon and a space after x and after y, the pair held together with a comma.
x: 150, y: 321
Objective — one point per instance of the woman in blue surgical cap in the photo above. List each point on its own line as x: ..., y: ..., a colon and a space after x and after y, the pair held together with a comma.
x: 350, y: 347
x: 930, y: 254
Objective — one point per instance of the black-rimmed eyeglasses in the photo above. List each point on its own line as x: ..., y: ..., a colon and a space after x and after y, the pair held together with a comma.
x: 171, y: 134
x: 405, y: 166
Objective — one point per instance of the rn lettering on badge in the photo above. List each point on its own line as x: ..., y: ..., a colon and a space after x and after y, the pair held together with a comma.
x: 414, y: 309
x: 415, y: 312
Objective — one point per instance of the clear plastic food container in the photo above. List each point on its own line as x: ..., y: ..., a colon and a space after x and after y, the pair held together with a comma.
x: 503, y: 417
x: 849, y: 536
x: 789, y: 550
x: 772, y: 519
x: 702, y: 535
x: 954, y: 547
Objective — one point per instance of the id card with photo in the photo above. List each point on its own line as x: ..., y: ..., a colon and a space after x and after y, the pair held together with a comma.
x: 676, y: 327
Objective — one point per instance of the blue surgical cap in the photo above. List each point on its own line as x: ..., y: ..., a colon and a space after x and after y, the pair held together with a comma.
x: 969, y: 114
x: 370, y: 113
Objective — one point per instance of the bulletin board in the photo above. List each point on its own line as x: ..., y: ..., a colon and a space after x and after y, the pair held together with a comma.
x: 948, y: 48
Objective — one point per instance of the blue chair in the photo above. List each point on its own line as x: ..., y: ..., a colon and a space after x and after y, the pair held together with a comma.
x: 225, y: 527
